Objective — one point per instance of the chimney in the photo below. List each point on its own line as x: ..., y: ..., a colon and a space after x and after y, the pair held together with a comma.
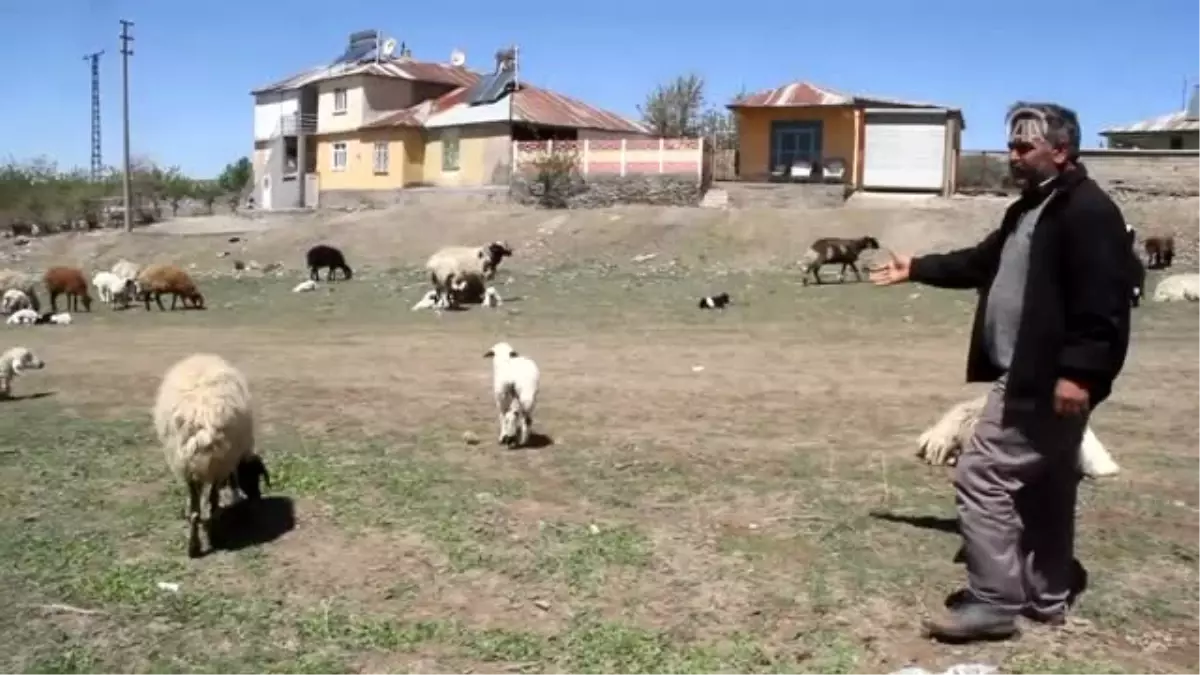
x: 1193, y: 112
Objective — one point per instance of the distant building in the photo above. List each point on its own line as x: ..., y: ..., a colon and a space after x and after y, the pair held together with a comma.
x: 1177, y: 131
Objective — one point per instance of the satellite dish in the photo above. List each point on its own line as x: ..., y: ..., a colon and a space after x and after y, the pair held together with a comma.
x: 389, y: 47
x: 457, y: 57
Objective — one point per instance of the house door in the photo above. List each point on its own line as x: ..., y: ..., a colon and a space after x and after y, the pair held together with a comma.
x: 793, y: 141
x: 266, y: 193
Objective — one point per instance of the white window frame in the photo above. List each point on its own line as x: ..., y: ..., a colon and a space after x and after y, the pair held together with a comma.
x: 448, y: 135
x: 381, y: 157
x: 340, y: 149
x: 341, y: 101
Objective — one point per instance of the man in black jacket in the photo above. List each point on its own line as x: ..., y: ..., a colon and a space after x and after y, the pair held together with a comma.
x: 1051, y: 331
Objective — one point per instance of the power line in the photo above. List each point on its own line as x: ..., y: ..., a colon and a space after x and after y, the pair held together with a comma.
x: 97, y: 159
x: 126, y: 52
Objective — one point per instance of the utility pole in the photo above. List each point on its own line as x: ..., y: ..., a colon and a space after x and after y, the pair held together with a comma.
x: 97, y: 160
x: 126, y: 52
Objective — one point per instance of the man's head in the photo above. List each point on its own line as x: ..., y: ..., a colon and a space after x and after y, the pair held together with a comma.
x: 1043, y: 141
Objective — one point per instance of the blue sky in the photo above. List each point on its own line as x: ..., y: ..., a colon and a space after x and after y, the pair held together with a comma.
x: 195, y: 63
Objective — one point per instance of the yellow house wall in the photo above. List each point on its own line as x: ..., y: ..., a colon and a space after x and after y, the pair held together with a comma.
x: 483, y: 156
x: 838, y: 135
x: 359, y: 173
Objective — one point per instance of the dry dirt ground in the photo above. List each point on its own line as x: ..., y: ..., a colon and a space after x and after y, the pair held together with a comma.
x: 726, y: 491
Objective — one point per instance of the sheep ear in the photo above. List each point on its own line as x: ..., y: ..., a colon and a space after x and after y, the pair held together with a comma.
x: 489, y: 354
x: 513, y: 353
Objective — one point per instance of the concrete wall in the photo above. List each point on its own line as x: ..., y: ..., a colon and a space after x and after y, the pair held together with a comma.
x: 1151, y: 172
x: 432, y: 196
x: 483, y: 156
x: 270, y: 109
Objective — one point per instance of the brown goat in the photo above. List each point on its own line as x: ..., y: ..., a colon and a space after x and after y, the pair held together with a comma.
x: 160, y: 278
x: 835, y: 250
x: 68, y: 280
x: 1159, y: 251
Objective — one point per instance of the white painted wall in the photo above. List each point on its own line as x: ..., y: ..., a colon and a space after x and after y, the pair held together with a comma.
x: 352, y: 118
x: 269, y: 109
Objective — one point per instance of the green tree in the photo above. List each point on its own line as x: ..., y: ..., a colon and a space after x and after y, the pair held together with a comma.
x: 676, y: 108
x: 177, y: 188
x: 236, y: 176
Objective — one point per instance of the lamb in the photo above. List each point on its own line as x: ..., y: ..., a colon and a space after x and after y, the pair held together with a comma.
x: 159, y: 278
x: 515, y: 387
x: 1159, y: 251
x: 61, y: 280
x: 322, y: 255
x: 14, y: 299
x: 204, y: 420
x: 427, y: 301
x: 114, y: 289
x: 473, y: 265
x: 60, y: 319
x: 23, y: 316
x: 834, y: 250
x: 941, y: 443
x: 1178, y: 287
x: 718, y: 301
x: 305, y: 286
x: 15, y: 362
x: 491, y: 297
x: 12, y: 279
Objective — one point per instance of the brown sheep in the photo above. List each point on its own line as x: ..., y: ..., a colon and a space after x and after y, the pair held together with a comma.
x: 160, y: 278
x: 832, y: 250
x: 68, y: 280
x: 1159, y: 251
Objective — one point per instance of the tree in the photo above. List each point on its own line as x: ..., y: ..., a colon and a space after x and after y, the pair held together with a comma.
x: 675, y: 109
x: 236, y: 176
x: 177, y: 188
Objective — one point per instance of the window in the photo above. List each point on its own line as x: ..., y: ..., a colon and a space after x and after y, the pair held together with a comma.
x: 339, y: 101
x: 450, y: 150
x: 1176, y: 142
x: 381, y: 157
x: 340, y: 157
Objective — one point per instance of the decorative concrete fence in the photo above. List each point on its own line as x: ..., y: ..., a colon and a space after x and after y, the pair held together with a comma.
x: 623, y: 157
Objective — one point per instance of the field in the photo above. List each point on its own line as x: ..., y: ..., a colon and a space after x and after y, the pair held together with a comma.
x: 727, y: 491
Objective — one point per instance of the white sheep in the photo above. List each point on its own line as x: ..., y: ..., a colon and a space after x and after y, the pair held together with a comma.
x: 427, y: 301
x: 22, y: 317
x: 515, y: 387
x: 469, y: 265
x: 27, y: 284
x: 60, y: 319
x: 305, y: 286
x: 204, y: 420
x: 491, y: 297
x: 1178, y: 287
x: 14, y: 299
x: 129, y: 270
x: 13, y: 363
x: 114, y: 289
x: 942, y: 443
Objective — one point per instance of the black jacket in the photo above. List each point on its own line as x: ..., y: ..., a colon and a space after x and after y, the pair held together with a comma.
x: 1075, y: 319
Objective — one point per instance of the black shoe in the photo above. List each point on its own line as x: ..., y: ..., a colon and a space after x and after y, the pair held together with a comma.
x: 1047, y: 619
x: 969, y: 622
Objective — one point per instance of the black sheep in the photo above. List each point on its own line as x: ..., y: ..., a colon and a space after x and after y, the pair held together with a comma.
x: 326, y: 256
x: 718, y: 301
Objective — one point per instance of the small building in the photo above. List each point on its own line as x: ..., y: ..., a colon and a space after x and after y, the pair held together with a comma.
x: 804, y: 132
x: 1179, y: 130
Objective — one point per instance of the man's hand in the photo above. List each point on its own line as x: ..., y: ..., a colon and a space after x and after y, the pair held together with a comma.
x: 1070, y: 398
x: 894, y: 271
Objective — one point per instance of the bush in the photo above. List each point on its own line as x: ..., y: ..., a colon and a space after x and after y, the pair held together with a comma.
x: 553, y: 178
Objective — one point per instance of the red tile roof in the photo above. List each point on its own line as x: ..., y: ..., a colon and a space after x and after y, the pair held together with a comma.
x: 804, y: 94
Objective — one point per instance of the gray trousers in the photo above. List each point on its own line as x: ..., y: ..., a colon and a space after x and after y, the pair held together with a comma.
x: 1015, y: 493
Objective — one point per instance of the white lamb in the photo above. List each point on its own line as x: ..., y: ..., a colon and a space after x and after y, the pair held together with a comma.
x: 129, y: 270
x: 491, y: 297
x: 113, y: 289
x: 14, y: 299
x: 1178, y: 287
x: 61, y: 319
x: 515, y: 387
x: 23, y: 317
x: 305, y: 286
x: 473, y: 265
x: 204, y: 420
x: 13, y: 363
x: 942, y: 443
x: 427, y: 301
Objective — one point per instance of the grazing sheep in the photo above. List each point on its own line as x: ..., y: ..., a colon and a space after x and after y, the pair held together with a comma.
x: 515, y: 387
x: 1160, y: 251
x: 469, y: 265
x: 941, y: 443
x: 13, y: 363
x: 205, y: 423
x: 832, y: 250
x: 491, y: 297
x: 70, y: 281
x: 718, y: 301
x: 23, y: 316
x: 305, y: 286
x: 427, y: 301
x: 159, y: 278
x: 12, y: 279
x: 114, y: 290
x: 14, y: 299
x: 1178, y: 287
x: 326, y: 256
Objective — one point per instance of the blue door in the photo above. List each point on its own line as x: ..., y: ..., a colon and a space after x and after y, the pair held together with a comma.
x: 791, y: 141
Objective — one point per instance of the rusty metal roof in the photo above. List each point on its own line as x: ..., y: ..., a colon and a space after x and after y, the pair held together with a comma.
x: 807, y: 94
x: 1172, y: 123
x: 532, y: 105
x: 403, y: 68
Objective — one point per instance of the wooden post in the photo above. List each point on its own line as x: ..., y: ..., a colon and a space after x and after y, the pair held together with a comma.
x: 662, y: 146
x: 584, y: 160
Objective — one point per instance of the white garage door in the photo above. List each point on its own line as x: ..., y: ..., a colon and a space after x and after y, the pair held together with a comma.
x: 904, y: 151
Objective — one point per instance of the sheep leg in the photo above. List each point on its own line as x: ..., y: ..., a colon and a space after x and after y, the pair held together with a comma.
x: 5, y: 386
x: 54, y: 302
x: 857, y: 276
x: 313, y: 274
x: 526, y: 422
x: 193, y: 515
x: 158, y: 300
x: 214, y: 500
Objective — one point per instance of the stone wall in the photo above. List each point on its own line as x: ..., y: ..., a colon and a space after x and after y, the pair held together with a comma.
x: 368, y: 199
x: 610, y: 190
x: 784, y: 195
x: 1146, y: 172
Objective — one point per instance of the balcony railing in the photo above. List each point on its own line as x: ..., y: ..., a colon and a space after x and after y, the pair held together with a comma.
x: 297, y: 124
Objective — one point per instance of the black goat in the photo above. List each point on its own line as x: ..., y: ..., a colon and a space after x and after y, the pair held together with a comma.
x: 833, y: 250
x: 1160, y: 251
x: 326, y: 256
x: 1139, y: 279
x: 718, y: 301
